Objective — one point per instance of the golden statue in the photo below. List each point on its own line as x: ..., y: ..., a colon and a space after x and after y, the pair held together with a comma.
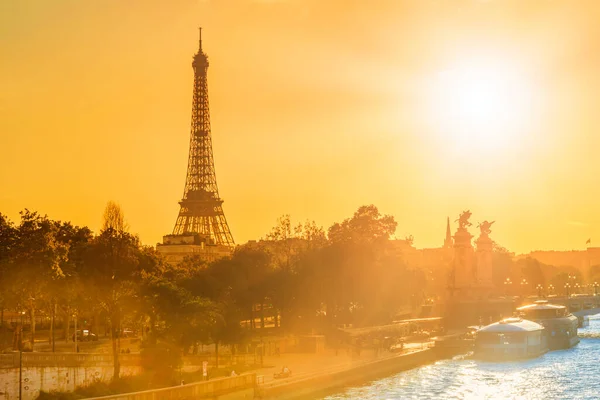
x: 463, y: 219
x: 485, y: 227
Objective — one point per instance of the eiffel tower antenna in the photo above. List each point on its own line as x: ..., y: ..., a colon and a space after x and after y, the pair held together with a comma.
x: 201, y: 209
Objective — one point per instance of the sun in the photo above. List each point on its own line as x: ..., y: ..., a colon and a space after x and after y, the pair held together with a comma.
x: 481, y: 103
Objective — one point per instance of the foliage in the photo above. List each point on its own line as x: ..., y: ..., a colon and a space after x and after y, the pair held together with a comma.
x: 297, y: 277
x: 160, y: 363
x: 180, y: 318
x: 366, y: 225
x: 100, y: 389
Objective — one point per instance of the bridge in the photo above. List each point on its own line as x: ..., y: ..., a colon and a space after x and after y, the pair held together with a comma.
x: 580, y: 305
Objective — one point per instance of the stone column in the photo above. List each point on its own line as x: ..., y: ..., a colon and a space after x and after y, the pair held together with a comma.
x: 464, y: 273
x: 484, y: 262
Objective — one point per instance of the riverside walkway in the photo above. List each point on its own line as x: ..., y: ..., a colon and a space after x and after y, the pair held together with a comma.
x: 304, y: 365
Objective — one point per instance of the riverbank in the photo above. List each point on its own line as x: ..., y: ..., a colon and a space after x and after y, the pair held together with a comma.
x: 323, y: 381
x: 562, y: 374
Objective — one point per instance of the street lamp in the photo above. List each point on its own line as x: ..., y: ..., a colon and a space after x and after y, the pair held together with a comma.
x: 577, y: 286
x: 523, y: 286
x: 567, y: 287
x: 75, y: 317
x: 21, y: 331
x: 550, y: 288
x: 507, y: 284
x: 595, y: 288
x: 539, y: 288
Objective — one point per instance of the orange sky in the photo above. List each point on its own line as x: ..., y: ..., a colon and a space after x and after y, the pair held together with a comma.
x: 317, y: 107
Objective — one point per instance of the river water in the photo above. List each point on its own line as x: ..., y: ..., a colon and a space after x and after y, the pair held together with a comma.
x: 564, y: 374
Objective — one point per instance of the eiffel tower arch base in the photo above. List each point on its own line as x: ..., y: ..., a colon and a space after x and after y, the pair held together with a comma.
x: 175, y: 248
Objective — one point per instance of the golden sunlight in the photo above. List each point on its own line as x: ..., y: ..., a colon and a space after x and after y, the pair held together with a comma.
x: 481, y: 104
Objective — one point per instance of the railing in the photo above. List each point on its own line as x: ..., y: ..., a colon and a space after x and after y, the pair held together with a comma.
x: 225, y: 359
x: 43, y: 359
x: 65, y: 360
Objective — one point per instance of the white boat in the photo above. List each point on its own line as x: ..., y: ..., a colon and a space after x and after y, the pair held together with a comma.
x: 510, y: 339
x: 560, y: 325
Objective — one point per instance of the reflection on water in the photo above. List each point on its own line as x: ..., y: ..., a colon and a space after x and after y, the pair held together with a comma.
x: 565, y: 374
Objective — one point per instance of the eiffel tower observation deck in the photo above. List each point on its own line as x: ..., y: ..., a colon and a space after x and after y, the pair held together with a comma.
x: 201, y: 228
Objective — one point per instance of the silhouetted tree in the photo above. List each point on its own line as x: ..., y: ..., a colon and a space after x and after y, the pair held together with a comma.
x: 37, y: 257
x: 366, y: 225
x: 113, y: 264
x: 8, y: 238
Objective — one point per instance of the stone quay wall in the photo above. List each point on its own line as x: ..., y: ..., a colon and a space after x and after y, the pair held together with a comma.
x: 237, y: 387
x: 58, y: 371
x: 328, y: 381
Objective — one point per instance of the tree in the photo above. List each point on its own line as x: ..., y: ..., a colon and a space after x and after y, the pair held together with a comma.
x: 65, y: 290
x: 225, y: 327
x: 367, y: 224
x: 502, y: 264
x: 288, y: 244
x: 113, y: 218
x: 179, y: 317
x: 113, y: 264
x: 531, y: 270
x: 8, y: 237
x: 37, y: 257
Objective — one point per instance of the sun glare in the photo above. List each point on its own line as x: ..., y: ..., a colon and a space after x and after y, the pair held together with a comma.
x: 481, y: 105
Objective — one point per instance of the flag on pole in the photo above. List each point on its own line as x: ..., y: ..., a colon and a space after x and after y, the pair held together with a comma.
x: 589, y: 241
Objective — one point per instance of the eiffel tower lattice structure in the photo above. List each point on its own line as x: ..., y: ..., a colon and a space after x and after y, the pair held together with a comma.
x: 201, y: 207
x: 201, y: 221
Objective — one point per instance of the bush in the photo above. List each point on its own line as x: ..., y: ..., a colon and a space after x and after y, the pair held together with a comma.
x: 57, y: 396
x: 161, y: 362
x: 99, y: 389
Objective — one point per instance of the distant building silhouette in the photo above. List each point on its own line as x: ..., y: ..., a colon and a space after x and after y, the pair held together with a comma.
x: 201, y: 228
x: 448, y: 242
x: 435, y: 257
x: 568, y: 258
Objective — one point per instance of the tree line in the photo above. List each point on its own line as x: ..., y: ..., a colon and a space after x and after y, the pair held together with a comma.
x: 298, y: 278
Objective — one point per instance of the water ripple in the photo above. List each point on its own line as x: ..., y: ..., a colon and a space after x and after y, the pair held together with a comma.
x: 565, y: 374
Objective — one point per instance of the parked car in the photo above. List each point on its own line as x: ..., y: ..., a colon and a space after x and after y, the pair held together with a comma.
x: 85, y: 335
x: 127, y: 333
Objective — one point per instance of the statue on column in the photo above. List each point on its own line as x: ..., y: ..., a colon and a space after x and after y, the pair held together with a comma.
x: 464, y: 271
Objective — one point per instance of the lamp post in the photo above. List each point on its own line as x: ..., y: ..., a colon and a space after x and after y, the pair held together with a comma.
x: 20, y: 374
x: 75, y: 317
x: 550, y: 288
x: 595, y: 288
x: 507, y: 284
x: 567, y: 287
x: 21, y: 331
x: 524, y: 286
x: 539, y: 289
x: 576, y: 288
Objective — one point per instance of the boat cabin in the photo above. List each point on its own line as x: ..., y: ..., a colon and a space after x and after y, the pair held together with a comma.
x: 560, y: 325
x: 541, y: 309
x: 510, y: 339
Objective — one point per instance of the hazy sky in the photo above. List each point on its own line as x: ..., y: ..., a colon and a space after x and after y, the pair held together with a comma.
x: 423, y: 108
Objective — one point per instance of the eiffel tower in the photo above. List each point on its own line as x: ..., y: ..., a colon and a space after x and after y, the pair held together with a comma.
x: 201, y: 220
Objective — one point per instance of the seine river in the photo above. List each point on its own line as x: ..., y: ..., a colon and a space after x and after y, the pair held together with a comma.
x: 565, y: 374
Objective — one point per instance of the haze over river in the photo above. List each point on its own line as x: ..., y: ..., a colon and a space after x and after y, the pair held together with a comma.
x: 565, y: 374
